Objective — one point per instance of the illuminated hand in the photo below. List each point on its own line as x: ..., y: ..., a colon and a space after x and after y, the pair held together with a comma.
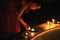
x: 28, y: 28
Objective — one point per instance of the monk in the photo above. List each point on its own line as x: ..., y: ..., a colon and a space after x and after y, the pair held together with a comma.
x: 29, y: 5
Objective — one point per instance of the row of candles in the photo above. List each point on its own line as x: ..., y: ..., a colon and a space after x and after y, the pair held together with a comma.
x: 31, y: 34
x: 52, y: 24
x: 48, y: 25
x: 53, y: 20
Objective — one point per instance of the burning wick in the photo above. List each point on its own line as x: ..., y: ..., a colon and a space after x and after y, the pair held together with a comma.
x: 53, y: 20
x: 32, y: 29
x: 26, y: 33
x: 57, y: 22
x: 47, y: 26
x: 48, y: 22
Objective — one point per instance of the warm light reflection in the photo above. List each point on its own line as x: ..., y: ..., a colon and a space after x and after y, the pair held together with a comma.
x: 26, y: 36
x: 42, y: 33
x: 29, y: 28
x: 52, y: 25
x: 32, y: 34
x: 49, y: 25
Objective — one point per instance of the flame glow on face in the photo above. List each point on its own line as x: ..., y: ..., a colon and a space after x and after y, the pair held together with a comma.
x: 34, y: 6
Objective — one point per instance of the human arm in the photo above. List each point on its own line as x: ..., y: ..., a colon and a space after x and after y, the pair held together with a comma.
x: 20, y: 19
x: 31, y: 6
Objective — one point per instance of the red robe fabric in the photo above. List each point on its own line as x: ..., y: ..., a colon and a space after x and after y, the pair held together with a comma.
x: 18, y: 27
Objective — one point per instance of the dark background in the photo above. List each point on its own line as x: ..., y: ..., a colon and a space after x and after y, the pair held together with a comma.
x: 10, y: 8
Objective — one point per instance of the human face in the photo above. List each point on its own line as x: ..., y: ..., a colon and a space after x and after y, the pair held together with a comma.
x: 34, y: 6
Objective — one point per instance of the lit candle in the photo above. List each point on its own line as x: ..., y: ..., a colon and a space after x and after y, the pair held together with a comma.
x: 32, y: 29
x: 32, y: 34
x: 48, y: 22
x: 57, y: 22
x: 48, y: 25
x: 26, y: 33
x: 53, y: 20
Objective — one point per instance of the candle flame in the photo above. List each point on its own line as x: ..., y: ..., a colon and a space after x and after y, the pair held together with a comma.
x: 58, y: 22
x: 53, y: 20
x: 32, y: 29
x: 48, y: 22
x: 26, y: 33
x: 32, y: 34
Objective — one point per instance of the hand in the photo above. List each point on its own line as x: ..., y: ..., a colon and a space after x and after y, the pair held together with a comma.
x: 28, y: 28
